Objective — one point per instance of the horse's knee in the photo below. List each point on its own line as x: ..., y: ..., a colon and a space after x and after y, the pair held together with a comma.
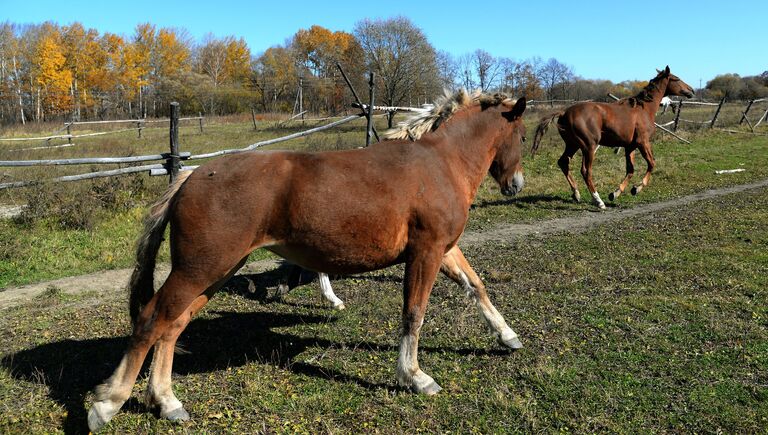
x: 563, y: 162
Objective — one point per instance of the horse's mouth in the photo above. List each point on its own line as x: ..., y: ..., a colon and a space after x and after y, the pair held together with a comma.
x: 510, y: 190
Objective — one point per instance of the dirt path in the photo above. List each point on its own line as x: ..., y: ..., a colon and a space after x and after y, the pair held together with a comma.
x: 115, y: 280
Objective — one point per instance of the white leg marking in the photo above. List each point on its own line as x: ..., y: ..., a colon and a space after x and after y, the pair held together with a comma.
x: 110, y: 397
x: 325, y: 287
x: 598, y: 202
x: 492, y: 317
x: 408, y: 372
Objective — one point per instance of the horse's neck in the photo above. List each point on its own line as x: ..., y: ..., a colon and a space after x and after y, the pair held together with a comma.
x: 657, y: 95
x: 470, y: 147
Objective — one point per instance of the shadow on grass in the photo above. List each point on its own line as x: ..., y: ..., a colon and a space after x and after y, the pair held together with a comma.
x: 551, y: 202
x: 72, y: 368
x: 273, y: 285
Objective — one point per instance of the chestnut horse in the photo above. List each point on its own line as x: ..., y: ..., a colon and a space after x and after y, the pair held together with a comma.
x: 341, y: 212
x: 627, y: 123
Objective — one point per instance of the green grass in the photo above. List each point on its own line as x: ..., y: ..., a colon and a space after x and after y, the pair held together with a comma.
x: 654, y: 324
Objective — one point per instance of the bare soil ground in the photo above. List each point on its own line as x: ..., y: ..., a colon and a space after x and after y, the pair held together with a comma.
x: 113, y: 281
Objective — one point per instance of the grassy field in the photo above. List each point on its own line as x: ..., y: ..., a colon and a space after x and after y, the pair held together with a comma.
x: 655, y: 324
x: 76, y: 228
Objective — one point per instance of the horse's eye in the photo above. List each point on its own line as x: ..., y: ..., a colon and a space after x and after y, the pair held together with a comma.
x: 523, y: 139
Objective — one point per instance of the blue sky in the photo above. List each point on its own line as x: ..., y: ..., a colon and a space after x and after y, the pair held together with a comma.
x: 616, y: 40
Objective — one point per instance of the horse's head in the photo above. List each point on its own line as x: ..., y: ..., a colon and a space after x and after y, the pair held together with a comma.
x: 675, y: 86
x: 506, y: 167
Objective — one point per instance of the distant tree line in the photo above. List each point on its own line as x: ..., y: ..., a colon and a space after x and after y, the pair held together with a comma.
x: 53, y: 72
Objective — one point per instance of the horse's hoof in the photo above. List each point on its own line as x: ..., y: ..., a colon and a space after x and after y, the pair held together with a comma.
x: 340, y: 307
x: 177, y: 415
x: 513, y: 343
x: 95, y: 420
x: 635, y: 190
x: 601, y: 205
x: 613, y: 195
x: 576, y: 197
x: 430, y: 389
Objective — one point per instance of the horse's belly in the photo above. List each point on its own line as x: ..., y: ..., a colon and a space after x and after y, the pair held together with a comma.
x: 352, y: 259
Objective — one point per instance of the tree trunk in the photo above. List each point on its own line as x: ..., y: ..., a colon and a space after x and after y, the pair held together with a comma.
x: 18, y: 91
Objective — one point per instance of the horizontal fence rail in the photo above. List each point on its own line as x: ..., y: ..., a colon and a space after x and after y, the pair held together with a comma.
x: 89, y: 160
x: 99, y: 174
x: 276, y: 140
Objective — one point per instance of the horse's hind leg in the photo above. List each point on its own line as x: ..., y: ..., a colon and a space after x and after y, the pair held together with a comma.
x: 630, y: 159
x: 456, y: 267
x: 647, y: 153
x: 564, y: 164
x: 588, y: 157
x: 159, y: 392
x: 161, y: 321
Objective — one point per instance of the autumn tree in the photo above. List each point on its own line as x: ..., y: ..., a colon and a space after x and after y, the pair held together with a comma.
x: 317, y: 52
x: 274, y: 75
x: 51, y: 75
x: 524, y: 80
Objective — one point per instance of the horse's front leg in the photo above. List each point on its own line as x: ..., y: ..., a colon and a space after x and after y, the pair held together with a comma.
x: 456, y: 267
x: 420, y: 272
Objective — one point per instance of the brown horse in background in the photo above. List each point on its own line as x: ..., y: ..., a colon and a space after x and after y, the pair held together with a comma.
x: 628, y: 123
x: 339, y: 212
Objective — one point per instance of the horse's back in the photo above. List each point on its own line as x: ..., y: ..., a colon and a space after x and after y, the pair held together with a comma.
x: 609, y: 124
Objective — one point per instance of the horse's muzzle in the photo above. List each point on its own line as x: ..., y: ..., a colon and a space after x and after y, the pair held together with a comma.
x: 513, y: 188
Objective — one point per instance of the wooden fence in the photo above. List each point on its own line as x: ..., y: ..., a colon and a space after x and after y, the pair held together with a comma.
x: 172, y: 162
x: 140, y: 125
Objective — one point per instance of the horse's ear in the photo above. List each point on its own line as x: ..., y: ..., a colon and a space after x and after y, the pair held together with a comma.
x: 517, y: 110
x: 666, y: 70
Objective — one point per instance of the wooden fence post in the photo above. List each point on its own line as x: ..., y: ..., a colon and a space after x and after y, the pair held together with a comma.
x: 677, y: 115
x: 762, y: 118
x: 744, y: 113
x: 717, y: 112
x: 200, y: 115
x: 69, y: 133
x: 138, y: 127
x: 369, y: 112
x: 253, y: 117
x: 173, y: 160
x: 354, y: 94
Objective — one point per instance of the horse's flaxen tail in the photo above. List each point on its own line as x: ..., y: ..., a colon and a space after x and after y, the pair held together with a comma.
x: 141, y: 285
x: 542, y: 128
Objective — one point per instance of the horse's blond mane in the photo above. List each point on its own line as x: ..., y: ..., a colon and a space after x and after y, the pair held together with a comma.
x: 445, y: 106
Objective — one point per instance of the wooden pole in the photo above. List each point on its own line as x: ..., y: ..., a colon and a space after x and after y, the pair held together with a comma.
x: 173, y: 160
x: 717, y: 112
x: 762, y: 118
x: 138, y: 127
x: 253, y: 117
x: 200, y: 115
x: 744, y: 113
x: 677, y: 115
x: 369, y: 112
x: 69, y: 133
x: 354, y: 94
